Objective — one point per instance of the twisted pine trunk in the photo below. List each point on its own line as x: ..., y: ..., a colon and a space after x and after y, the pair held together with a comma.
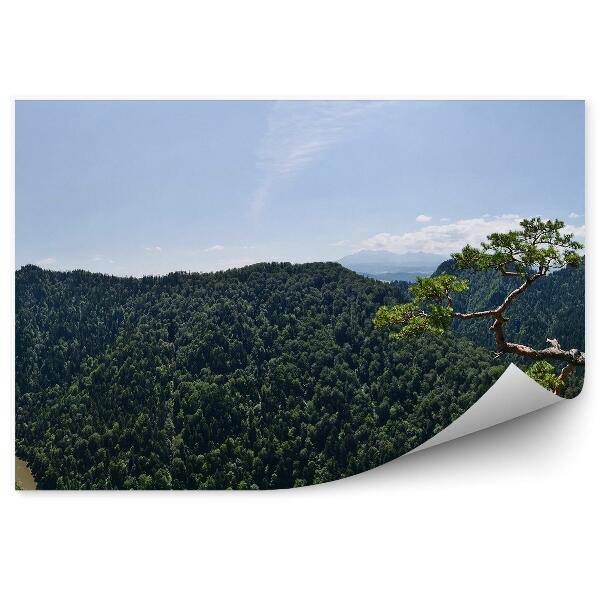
x: 573, y: 357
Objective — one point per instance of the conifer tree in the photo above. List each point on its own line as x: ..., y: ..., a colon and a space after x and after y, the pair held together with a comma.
x: 525, y: 255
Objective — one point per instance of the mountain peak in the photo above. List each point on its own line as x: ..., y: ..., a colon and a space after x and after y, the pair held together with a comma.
x: 378, y: 262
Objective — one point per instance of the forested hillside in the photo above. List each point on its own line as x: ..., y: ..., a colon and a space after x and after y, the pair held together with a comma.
x: 263, y: 377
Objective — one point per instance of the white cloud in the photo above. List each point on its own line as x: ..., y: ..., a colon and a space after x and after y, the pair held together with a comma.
x: 102, y: 258
x: 46, y: 262
x: 215, y: 248
x: 340, y: 243
x: 153, y: 249
x: 423, y: 218
x: 577, y: 231
x: 452, y: 237
x: 574, y: 215
x: 298, y: 133
x: 443, y: 239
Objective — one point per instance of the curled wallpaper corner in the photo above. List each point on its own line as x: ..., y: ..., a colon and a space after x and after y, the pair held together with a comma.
x: 513, y: 395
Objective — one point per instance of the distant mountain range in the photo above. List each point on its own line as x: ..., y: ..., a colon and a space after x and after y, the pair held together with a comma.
x: 391, y: 266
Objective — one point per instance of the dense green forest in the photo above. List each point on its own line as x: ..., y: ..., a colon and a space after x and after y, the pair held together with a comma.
x: 268, y: 376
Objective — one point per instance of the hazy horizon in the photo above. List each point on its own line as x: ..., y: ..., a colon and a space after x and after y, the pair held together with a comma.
x: 151, y: 187
x: 441, y: 257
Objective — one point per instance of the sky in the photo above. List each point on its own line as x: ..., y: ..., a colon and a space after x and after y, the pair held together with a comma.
x: 150, y: 187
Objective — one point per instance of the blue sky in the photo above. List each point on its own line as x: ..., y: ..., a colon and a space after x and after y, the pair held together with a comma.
x: 136, y: 187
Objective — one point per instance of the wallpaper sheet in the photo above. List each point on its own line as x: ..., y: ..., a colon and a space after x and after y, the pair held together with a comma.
x: 257, y: 295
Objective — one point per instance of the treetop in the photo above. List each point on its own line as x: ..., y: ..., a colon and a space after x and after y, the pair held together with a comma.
x: 537, y: 247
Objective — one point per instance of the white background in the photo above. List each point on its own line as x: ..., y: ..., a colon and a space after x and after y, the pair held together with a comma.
x: 507, y: 513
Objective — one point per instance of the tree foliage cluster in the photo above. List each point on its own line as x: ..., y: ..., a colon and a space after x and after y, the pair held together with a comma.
x: 269, y: 376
